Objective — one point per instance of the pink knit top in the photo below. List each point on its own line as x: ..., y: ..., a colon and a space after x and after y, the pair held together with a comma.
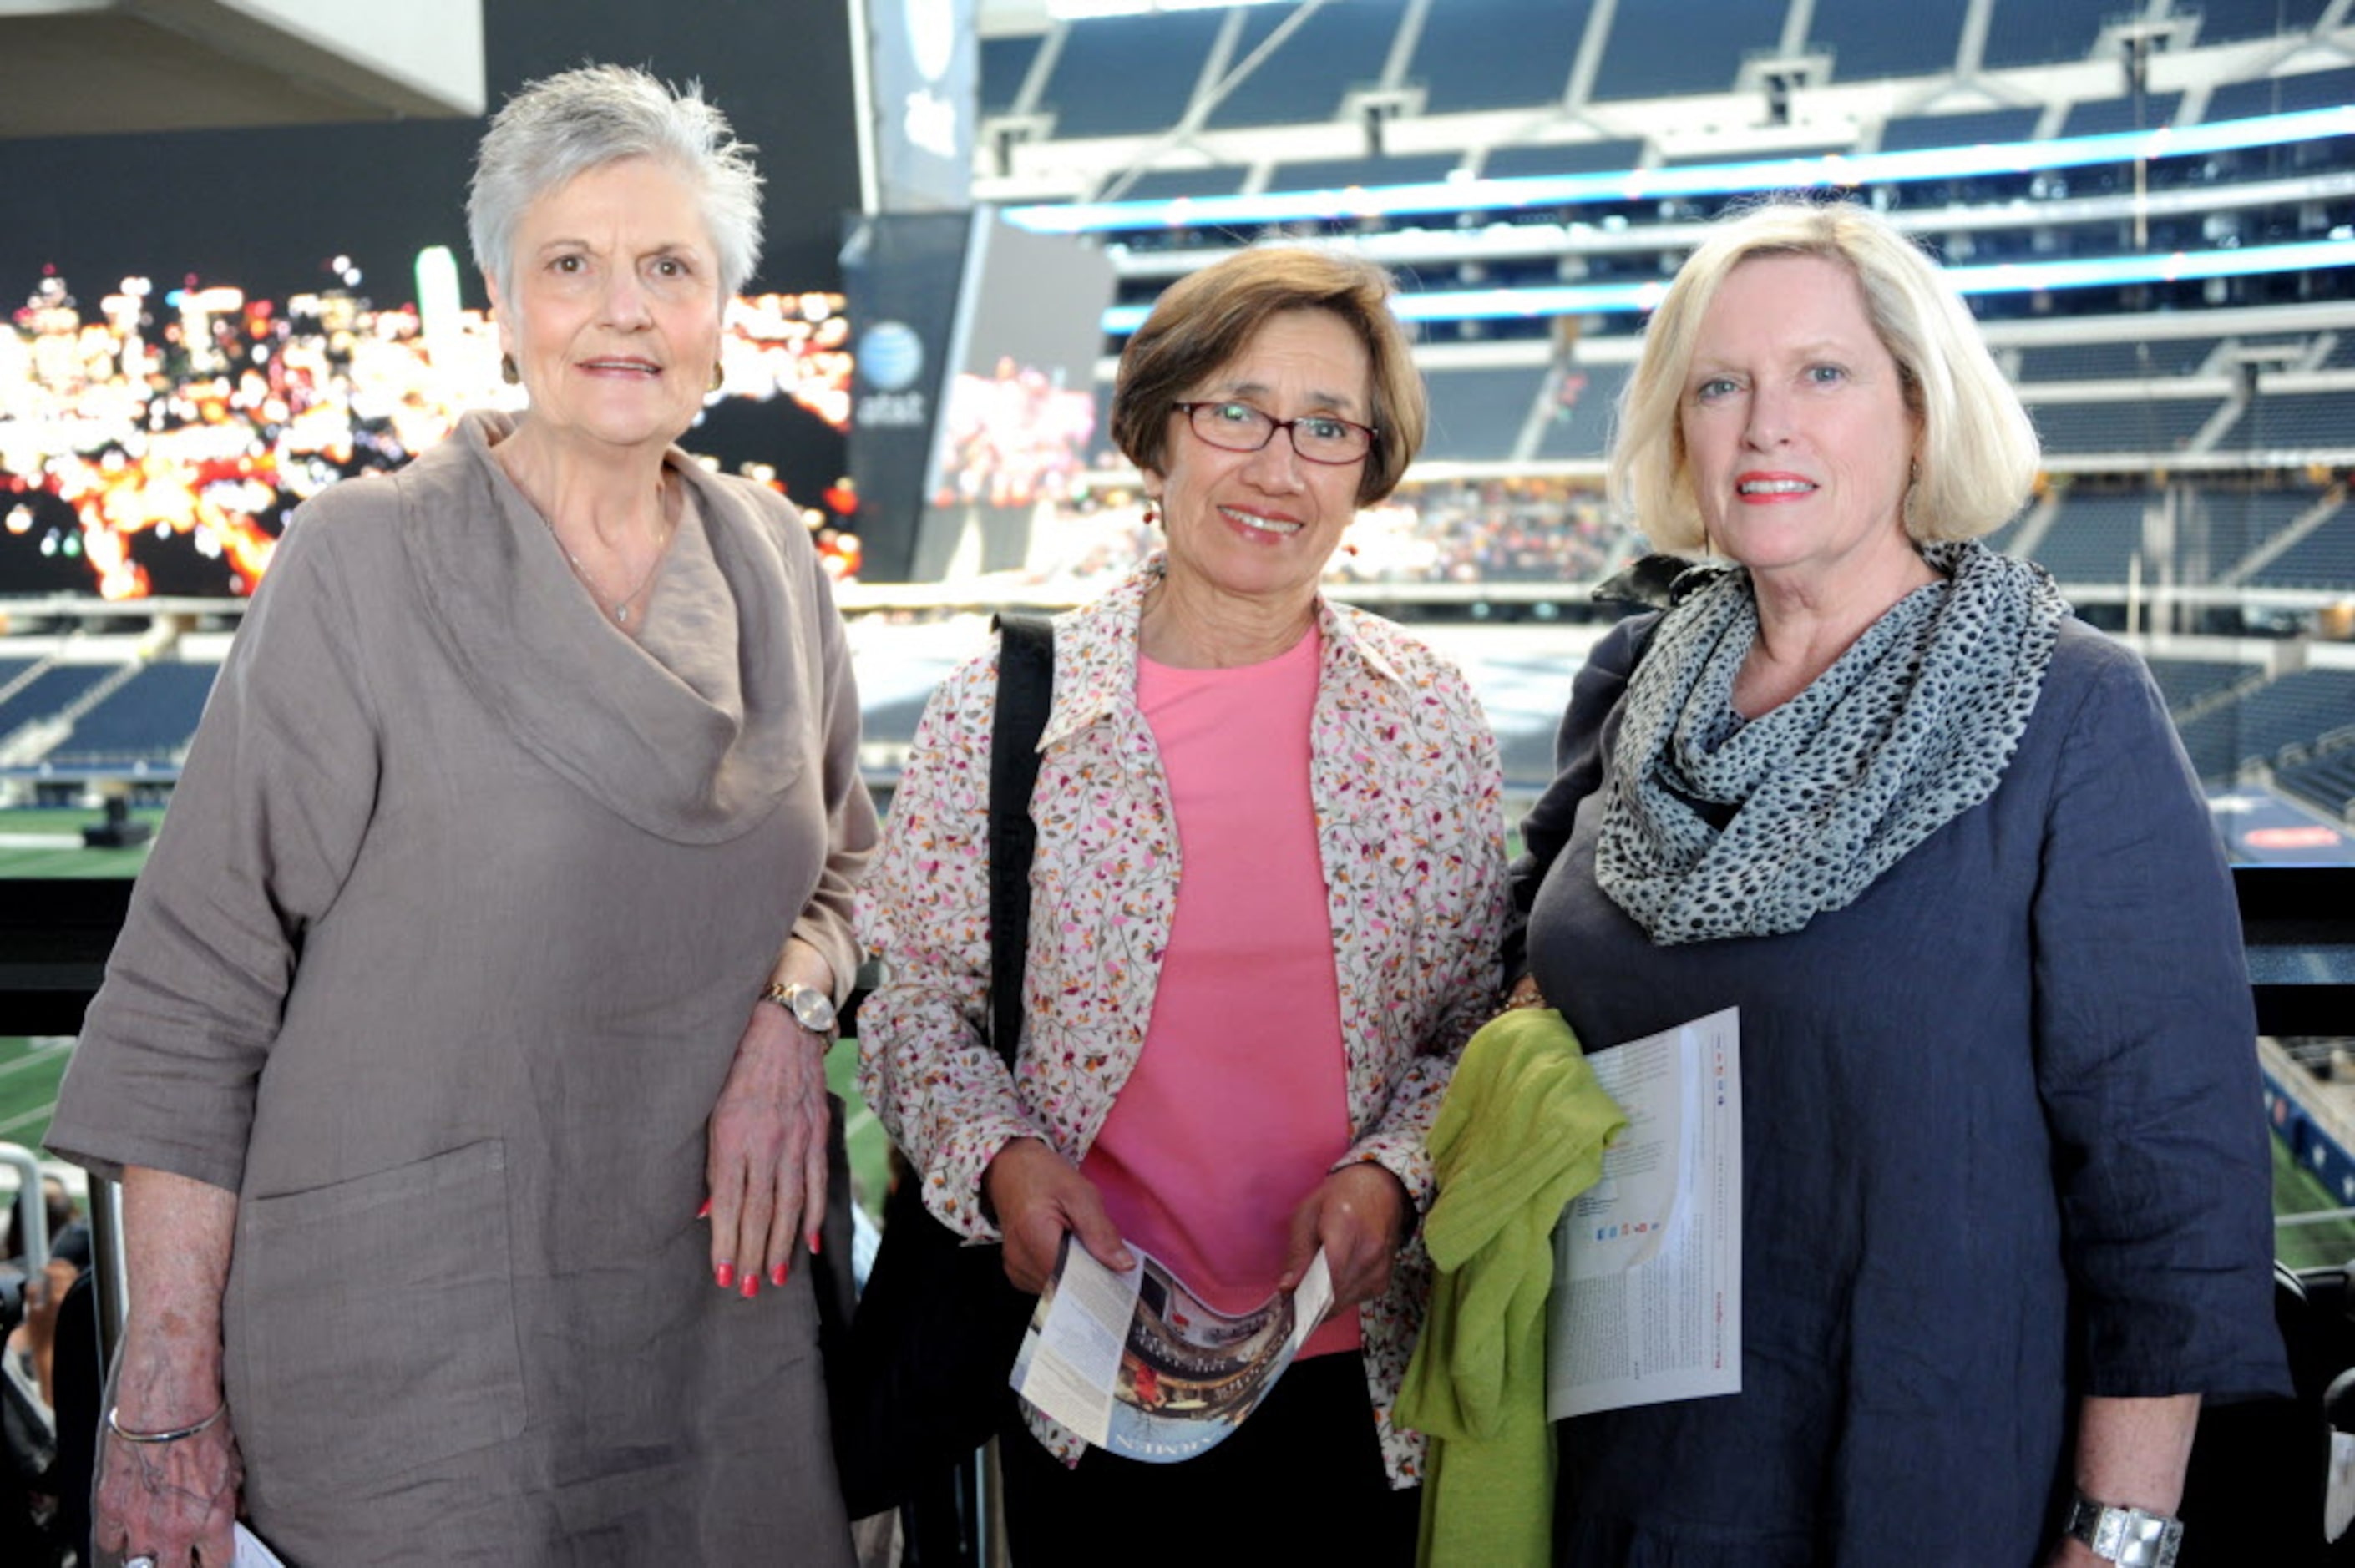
x: 1238, y: 1106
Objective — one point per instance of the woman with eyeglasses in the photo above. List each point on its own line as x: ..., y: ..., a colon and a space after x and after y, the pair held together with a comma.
x: 1263, y: 912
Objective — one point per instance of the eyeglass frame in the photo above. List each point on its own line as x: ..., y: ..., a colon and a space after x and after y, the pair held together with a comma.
x: 1289, y: 428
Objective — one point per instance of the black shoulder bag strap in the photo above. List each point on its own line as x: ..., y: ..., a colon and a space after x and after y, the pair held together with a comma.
x: 1026, y: 688
x: 923, y: 1383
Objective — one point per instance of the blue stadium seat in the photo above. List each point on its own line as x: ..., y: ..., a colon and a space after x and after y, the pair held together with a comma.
x: 2295, y: 420
x: 2328, y: 780
x: 2039, y: 32
x: 1005, y: 64
x: 1334, y: 50
x: 2222, y: 527
x: 1340, y: 174
x: 2221, y: 21
x: 1478, y: 413
x: 2293, y: 711
x: 1654, y: 52
x: 150, y: 717
x: 2155, y: 425
x: 1169, y: 184
x: 1563, y: 158
x: 2282, y: 95
x: 50, y: 691
x: 1992, y: 127
x: 2142, y: 360
x: 2323, y: 559
x: 1498, y: 53
x: 2184, y: 681
x: 1871, y: 40
x: 1127, y: 76
x: 2093, y: 538
x: 2110, y: 116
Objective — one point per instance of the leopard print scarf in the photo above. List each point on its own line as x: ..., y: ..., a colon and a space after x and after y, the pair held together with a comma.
x: 1718, y: 828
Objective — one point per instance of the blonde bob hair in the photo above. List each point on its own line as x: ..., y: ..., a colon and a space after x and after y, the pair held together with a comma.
x: 1977, y: 455
x: 1202, y: 322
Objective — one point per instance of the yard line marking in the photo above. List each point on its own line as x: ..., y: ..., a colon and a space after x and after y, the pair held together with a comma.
x: 35, y: 1057
x: 27, y: 1119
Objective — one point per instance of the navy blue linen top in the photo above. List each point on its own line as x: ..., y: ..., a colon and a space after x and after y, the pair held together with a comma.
x: 2002, y: 1147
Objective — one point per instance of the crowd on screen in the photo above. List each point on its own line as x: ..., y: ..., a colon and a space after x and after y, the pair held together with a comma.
x: 153, y: 426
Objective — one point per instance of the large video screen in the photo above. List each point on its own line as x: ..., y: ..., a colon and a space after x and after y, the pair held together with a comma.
x: 154, y: 439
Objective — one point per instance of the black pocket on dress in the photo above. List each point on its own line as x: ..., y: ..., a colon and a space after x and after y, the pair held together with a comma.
x: 371, y: 1324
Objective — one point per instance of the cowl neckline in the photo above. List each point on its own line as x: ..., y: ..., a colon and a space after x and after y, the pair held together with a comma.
x: 682, y: 737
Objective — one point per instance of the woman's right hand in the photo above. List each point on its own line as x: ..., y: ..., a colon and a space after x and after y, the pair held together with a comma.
x: 1037, y: 1196
x: 174, y: 1503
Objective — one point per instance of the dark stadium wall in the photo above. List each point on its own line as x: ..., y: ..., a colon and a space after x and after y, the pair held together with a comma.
x: 268, y: 210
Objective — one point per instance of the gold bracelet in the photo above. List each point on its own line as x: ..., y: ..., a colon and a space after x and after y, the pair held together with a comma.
x: 115, y: 1425
x: 1514, y: 1004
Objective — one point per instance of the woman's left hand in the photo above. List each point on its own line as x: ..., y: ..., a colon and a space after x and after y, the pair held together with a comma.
x: 765, y: 1170
x: 1359, y: 1215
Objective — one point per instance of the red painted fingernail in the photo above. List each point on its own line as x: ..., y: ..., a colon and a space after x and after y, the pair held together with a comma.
x: 703, y: 1213
x: 725, y: 1274
x: 777, y: 1277
x: 813, y: 1244
x: 752, y: 1286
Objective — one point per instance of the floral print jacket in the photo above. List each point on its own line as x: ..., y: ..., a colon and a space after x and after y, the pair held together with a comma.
x: 1405, y: 783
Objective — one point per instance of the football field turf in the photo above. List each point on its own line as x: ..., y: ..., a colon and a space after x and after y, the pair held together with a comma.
x: 46, y: 840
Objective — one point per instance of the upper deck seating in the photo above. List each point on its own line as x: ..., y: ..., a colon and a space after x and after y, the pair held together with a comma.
x: 1698, y: 47
x: 2282, y: 94
x: 2039, y: 32
x: 152, y: 716
x: 1992, y: 127
x: 2093, y: 538
x: 2109, y: 116
x: 1333, y: 50
x: 2152, y: 425
x: 48, y: 692
x: 1478, y: 413
x: 1005, y: 64
x: 1127, y: 76
x: 2140, y: 360
x: 1498, y: 53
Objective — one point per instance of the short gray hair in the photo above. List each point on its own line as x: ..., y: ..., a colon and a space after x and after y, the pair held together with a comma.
x: 565, y: 125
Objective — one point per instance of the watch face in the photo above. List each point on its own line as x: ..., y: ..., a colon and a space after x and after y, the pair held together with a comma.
x: 813, y: 1009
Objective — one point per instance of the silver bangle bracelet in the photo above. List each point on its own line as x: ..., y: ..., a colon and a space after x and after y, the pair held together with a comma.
x: 115, y: 1425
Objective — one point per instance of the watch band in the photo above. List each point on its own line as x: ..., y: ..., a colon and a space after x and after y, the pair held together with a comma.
x: 2124, y: 1535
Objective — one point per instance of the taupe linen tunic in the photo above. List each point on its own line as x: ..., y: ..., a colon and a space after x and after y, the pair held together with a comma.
x: 439, y: 964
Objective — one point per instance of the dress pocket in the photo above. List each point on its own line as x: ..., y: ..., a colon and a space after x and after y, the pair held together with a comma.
x: 371, y: 1324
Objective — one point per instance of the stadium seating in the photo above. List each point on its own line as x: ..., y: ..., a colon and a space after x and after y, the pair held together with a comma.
x: 1521, y: 58
x: 2184, y: 681
x: 1331, y: 51
x: 149, y: 718
x: 1700, y: 53
x: 1870, y: 39
x: 2294, y: 710
x: 47, y: 693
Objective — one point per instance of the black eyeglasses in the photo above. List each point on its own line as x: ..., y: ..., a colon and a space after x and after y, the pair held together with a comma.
x: 1240, y: 427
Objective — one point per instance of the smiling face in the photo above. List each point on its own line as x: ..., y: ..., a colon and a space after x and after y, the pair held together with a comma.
x: 615, y: 323
x: 1258, y: 527
x: 1798, y: 439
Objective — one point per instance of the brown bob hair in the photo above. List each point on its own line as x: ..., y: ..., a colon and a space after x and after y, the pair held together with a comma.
x: 1207, y: 318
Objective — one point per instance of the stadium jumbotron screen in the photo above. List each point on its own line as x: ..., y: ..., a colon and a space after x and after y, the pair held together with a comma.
x: 153, y: 440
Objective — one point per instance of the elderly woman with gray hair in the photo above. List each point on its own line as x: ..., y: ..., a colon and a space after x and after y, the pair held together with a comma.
x: 493, y: 948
